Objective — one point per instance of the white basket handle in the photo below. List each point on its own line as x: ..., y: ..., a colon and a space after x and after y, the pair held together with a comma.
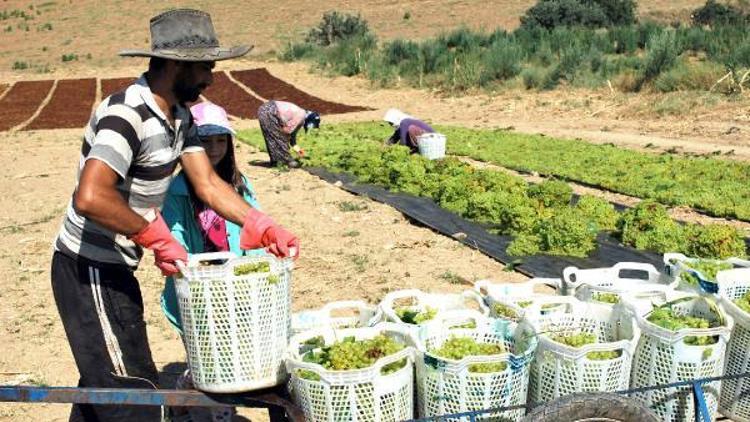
x: 626, y: 346
x: 672, y: 256
x: 210, y: 256
x: 387, y: 304
x: 343, y: 305
x: 473, y: 295
x: 739, y: 262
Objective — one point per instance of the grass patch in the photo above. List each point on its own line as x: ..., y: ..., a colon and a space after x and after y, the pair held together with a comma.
x: 349, y: 206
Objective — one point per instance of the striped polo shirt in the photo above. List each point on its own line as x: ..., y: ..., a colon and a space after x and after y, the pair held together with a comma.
x: 129, y: 132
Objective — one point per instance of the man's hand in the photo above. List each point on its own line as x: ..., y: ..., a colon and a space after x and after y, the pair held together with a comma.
x: 167, y: 251
x: 258, y: 230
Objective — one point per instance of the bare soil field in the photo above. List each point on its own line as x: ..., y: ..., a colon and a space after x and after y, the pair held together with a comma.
x: 69, y: 107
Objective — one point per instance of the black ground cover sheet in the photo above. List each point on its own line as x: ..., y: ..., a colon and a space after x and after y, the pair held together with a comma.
x: 426, y: 212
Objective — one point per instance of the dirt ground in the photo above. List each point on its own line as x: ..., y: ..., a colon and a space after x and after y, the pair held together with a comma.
x: 345, y: 255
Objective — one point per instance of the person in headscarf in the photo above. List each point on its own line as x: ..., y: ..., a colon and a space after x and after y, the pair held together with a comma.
x: 280, y: 121
x: 407, y: 129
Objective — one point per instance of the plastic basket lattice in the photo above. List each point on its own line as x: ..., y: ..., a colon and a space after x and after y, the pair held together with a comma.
x: 663, y: 357
x: 341, y: 314
x: 434, y: 304
x: 354, y: 395
x: 431, y: 145
x: 511, y: 300
x: 559, y: 369
x: 236, y: 327
x: 636, y: 283
x: 734, y: 401
x: 447, y: 386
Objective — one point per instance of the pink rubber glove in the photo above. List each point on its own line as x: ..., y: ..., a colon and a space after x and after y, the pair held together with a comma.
x: 259, y: 231
x: 167, y: 251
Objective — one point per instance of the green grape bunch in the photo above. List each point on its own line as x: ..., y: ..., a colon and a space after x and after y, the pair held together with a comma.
x: 665, y: 317
x: 349, y: 354
x: 505, y: 311
x: 708, y: 268
x: 581, y: 339
x: 743, y: 302
x: 415, y: 317
x: 457, y: 348
x: 252, y: 267
x: 605, y: 297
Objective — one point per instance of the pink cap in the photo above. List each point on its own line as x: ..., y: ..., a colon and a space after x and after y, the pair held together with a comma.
x: 209, y: 114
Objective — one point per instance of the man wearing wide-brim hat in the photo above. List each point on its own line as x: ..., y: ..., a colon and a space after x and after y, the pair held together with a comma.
x: 134, y: 141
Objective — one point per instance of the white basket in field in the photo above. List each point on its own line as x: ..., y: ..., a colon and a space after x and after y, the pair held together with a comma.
x: 663, y: 357
x: 636, y: 283
x: 559, y: 369
x: 419, y: 301
x: 510, y: 300
x: 431, y: 145
x: 236, y: 327
x: 341, y: 314
x: 447, y: 386
x: 675, y: 264
x: 734, y: 401
x: 356, y: 395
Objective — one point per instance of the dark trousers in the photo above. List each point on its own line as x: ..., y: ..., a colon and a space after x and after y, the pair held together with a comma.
x: 277, y: 141
x: 102, y: 312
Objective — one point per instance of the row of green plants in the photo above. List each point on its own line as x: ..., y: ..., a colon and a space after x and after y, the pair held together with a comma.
x: 542, y: 218
x: 630, y: 55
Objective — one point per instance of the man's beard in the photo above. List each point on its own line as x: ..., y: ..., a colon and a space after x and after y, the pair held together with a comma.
x: 186, y: 93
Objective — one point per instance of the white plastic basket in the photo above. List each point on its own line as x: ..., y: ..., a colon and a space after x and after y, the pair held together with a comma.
x: 355, y: 395
x: 559, y: 369
x: 341, y: 314
x: 447, y: 386
x: 418, y: 300
x: 676, y: 263
x: 431, y: 145
x: 514, y: 298
x: 734, y: 401
x: 636, y: 283
x: 236, y: 328
x: 663, y: 357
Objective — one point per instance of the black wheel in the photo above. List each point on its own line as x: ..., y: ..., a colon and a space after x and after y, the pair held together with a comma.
x: 596, y: 407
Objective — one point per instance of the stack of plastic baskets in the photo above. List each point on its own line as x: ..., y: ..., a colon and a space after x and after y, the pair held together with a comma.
x: 678, y: 266
x: 735, y: 393
x: 418, y: 301
x: 447, y: 386
x: 236, y: 327
x: 510, y: 300
x: 353, y: 395
x: 663, y: 356
x: 431, y: 145
x: 639, y: 284
x: 341, y: 314
x: 559, y: 369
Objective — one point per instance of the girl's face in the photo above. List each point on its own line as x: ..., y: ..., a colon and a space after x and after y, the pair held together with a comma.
x: 216, y: 147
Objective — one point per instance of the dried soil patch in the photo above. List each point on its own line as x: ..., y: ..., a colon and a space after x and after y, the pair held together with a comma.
x: 110, y: 86
x: 273, y: 88
x: 69, y: 107
x: 22, y: 101
x: 235, y: 100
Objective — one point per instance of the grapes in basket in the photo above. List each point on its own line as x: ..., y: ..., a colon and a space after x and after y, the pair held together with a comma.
x: 605, y: 297
x: 256, y: 267
x: 709, y: 269
x: 414, y: 316
x: 350, y: 353
x: 457, y: 348
x: 666, y: 317
x: 578, y: 340
x: 743, y: 302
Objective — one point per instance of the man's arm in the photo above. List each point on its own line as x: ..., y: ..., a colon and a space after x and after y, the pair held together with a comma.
x: 212, y: 190
x: 97, y: 199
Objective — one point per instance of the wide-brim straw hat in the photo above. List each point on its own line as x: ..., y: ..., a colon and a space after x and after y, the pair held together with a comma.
x: 186, y: 35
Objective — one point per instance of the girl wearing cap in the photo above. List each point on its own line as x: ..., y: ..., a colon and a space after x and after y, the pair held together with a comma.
x: 280, y: 121
x: 407, y: 129
x: 198, y: 228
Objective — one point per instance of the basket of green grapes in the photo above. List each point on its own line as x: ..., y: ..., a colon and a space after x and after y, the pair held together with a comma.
x: 589, y: 347
x: 681, y: 340
x: 235, y: 317
x: 697, y: 275
x: 509, y: 301
x: 363, y: 374
x: 467, y: 361
x: 734, y: 293
x: 414, y: 307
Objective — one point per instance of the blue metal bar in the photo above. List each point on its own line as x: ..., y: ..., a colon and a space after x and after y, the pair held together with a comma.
x: 699, y: 400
